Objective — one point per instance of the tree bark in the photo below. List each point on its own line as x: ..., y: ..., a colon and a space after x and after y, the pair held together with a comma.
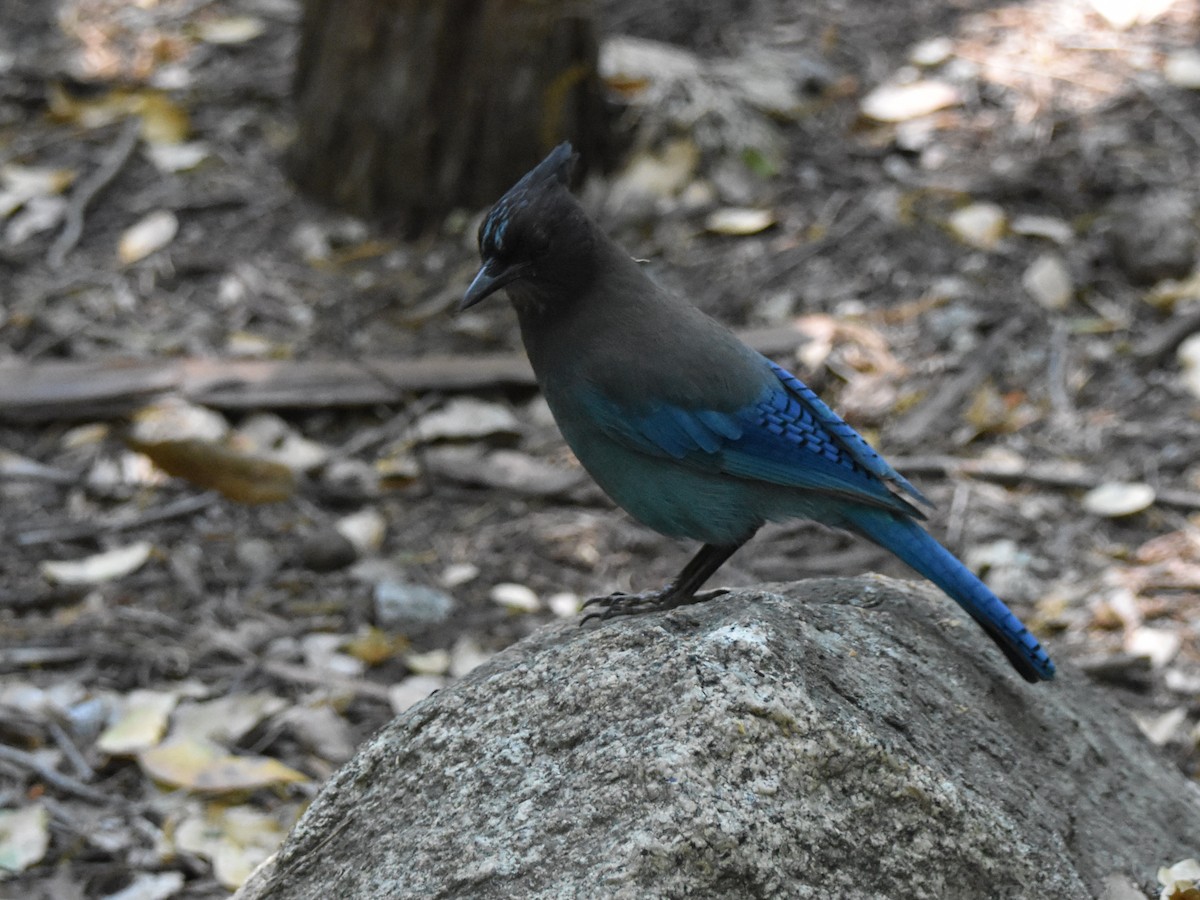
x: 407, y: 109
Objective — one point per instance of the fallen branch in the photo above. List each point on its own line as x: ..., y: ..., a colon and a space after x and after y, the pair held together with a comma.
x: 929, y: 415
x: 1156, y: 349
x: 43, y: 392
x: 89, y: 190
x: 328, y: 680
x: 56, y: 779
x: 1050, y: 474
x: 185, y: 506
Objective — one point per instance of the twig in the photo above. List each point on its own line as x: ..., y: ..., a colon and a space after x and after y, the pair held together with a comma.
x: 70, y: 751
x: 1154, y: 351
x: 28, y: 657
x: 1044, y: 474
x: 1032, y: 72
x: 1057, y: 376
x: 47, y: 773
x: 316, y: 678
x: 18, y: 468
x: 957, y: 518
x: 927, y: 416
x: 75, y: 531
x: 1189, y: 129
x: 89, y: 189
x: 838, y: 231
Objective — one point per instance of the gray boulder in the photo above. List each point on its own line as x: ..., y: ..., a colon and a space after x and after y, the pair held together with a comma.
x: 833, y: 738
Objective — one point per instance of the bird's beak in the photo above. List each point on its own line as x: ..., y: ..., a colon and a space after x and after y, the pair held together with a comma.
x: 490, y: 279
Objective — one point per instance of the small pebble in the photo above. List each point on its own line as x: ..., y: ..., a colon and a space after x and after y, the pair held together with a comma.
x: 1182, y: 69
x: 326, y: 551
x: 1048, y: 281
x: 413, y: 690
x: 1160, y: 645
x: 258, y: 556
x: 433, y: 662
x: 980, y: 225
x: 564, y: 604
x: 901, y: 102
x: 466, y: 655
x: 457, y: 574
x: 516, y: 597
x: 1153, y: 237
x: 1116, y: 499
x: 400, y: 604
x: 364, y: 529
x: 931, y: 52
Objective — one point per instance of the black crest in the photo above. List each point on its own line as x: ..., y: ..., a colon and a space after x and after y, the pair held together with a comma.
x: 555, y: 169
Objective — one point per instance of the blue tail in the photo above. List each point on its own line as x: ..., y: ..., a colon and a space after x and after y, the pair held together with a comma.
x: 915, y: 546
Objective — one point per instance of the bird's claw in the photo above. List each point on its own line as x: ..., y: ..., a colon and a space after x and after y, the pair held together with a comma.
x: 620, y: 603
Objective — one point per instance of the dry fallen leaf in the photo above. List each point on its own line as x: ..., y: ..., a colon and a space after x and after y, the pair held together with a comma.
x: 1159, y: 645
x: 515, y: 597
x: 163, y: 121
x: 1189, y: 364
x: 224, y: 719
x: 268, y: 436
x: 413, y: 690
x: 980, y: 225
x: 364, y: 529
x: 24, y: 838
x: 901, y: 102
x: 180, y: 157
x: 107, y: 566
x: 20, y: 184
x: 141, y: 724
x: 245, y: 479
x: 1048, y: 281
x: 150, y: 886
x: 660, y: 175
x: 1180, y: 881
x: 1161, y: 728
x: 202, y: 766
x: 739, y: 221
x: 1182, y: 69
x: 1048, y: 227
x: 175, y: 419
x: 432, y: 662
x: 1115, y: 499
x: 374, y: 646
x: 463, y: 418
x: 235, y: 839
x: 231, y: 30
x: 151, y: 233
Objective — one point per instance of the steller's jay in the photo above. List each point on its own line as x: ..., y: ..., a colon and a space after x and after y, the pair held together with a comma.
x: 685, y: 427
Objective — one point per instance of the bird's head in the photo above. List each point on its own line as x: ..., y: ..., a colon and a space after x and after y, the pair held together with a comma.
x: 535, y: 235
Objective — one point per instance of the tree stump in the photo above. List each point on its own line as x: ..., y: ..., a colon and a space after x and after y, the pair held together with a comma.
x: 407, y: 109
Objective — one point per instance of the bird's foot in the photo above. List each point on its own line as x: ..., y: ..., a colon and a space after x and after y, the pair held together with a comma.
x: 622, y: 604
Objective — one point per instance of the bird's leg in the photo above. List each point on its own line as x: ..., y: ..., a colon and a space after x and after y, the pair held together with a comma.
x: 681, y: 591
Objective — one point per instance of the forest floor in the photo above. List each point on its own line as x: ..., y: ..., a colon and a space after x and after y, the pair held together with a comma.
x: 990, y: 269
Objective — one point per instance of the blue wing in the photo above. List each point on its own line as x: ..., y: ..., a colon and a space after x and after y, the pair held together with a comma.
x: 788, y: 436
x: 841, y: 434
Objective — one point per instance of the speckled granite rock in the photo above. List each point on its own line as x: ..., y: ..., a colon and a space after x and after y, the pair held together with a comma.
x: 835, y: 738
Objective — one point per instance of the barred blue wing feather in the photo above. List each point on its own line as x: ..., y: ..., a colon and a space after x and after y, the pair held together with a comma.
x: 781, y: 439
x: 842, y: 434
